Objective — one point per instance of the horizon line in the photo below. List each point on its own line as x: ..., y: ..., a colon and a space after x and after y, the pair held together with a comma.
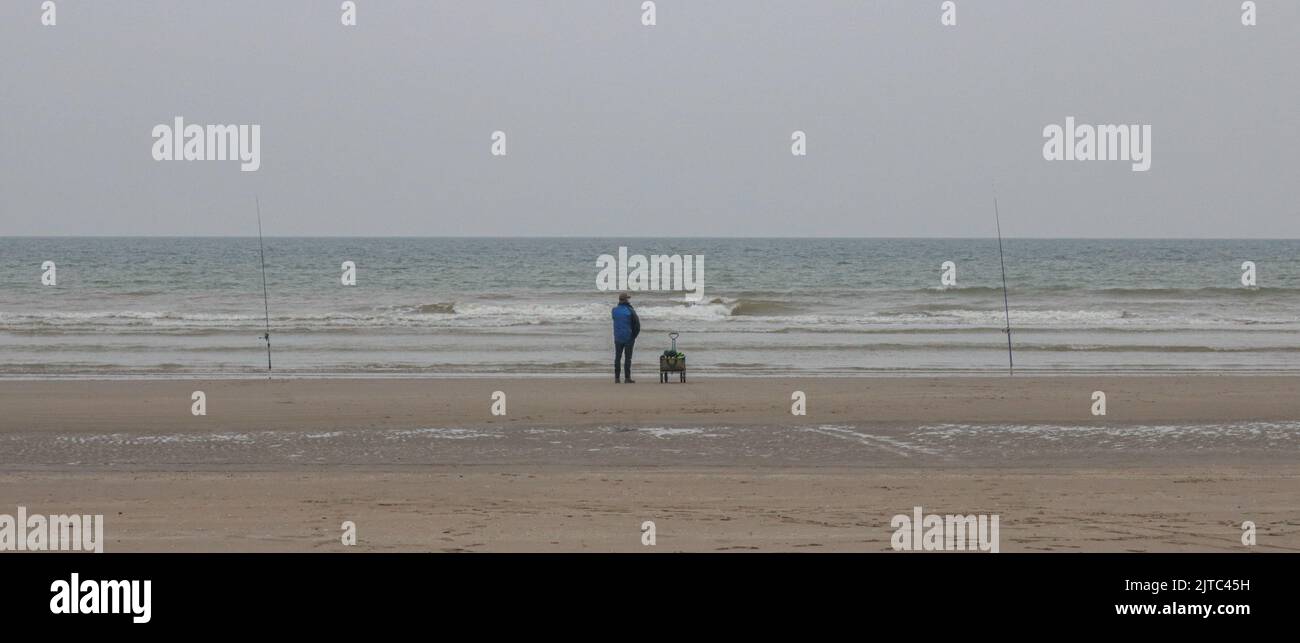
x: 757, y: 238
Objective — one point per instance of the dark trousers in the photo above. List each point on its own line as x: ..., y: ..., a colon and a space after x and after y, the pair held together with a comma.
x: 623, y: 353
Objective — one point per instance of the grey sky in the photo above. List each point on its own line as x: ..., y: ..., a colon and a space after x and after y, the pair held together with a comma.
x: 682, y: 129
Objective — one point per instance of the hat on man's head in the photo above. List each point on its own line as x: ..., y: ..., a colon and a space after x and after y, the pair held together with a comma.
x: 624, y: 296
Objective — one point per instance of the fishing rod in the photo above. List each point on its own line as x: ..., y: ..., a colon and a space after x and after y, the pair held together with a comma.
x: 266, y: 298
x: 1006, y: 306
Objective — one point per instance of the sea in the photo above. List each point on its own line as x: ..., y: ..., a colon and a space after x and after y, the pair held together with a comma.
x: 195, y: 307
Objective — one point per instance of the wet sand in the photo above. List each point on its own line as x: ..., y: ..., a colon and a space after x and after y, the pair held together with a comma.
x: 164, y: 405
x: 1177, y: 464
x: 563, y: 509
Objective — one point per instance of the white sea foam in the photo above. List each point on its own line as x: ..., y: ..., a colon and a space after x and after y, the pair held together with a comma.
x: 476, y: 315
x: 663, y: 433
x: 887, y: 443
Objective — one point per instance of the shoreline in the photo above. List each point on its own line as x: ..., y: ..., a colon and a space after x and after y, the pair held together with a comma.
x: 695, y: 374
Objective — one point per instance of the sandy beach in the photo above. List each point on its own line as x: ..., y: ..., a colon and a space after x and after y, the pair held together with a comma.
x: 139, y: 406
x: 578, y: 464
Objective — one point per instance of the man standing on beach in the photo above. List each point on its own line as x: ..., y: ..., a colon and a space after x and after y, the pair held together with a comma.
x: 626, y: 327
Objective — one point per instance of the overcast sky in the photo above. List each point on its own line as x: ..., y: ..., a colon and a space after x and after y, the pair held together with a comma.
x: 681, y: 129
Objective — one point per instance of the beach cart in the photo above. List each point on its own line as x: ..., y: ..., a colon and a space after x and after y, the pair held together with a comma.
x: 672, y: 362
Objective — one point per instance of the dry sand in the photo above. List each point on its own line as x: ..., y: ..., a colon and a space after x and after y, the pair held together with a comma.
x: 1177, y: 464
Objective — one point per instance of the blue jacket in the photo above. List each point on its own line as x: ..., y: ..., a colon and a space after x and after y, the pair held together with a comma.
x: 626, y: 324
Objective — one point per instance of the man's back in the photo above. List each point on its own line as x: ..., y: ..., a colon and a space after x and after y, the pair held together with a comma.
x: 626, y: 328
x: 626, y: 324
